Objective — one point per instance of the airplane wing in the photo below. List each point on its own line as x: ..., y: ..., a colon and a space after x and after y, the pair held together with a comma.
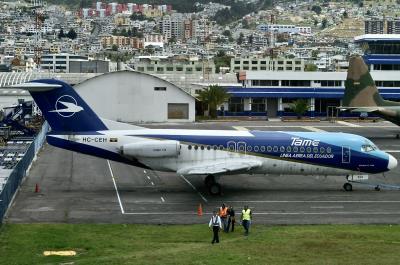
x: 208, y: 168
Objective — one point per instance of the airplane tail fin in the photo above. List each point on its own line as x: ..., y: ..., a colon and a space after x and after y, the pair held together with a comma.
x: 360, y: 89
x: 62, y: 107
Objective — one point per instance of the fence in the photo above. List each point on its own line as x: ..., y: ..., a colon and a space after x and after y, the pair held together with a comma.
x: 20, y: 170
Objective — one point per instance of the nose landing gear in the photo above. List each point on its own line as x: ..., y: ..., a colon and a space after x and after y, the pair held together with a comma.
x: 214, y: 188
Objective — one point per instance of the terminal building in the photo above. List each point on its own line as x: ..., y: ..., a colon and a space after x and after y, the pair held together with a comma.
x: 269, y: 93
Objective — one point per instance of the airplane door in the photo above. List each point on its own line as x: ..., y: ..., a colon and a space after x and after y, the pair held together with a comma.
x: 241, y: 147
x: 346, y: 154
x: 231, y: 147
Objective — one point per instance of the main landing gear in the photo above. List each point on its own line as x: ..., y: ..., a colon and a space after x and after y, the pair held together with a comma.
x: 213, y: 187
x: 347, y: 187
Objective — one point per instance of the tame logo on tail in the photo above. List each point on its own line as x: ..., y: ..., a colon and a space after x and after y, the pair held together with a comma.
x: 63, y: 108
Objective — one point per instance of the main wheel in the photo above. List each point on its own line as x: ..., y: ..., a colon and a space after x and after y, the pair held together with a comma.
x: 348, y: 187
x: 377, y: 188
x: 214, y: 189
x: 209, y: 180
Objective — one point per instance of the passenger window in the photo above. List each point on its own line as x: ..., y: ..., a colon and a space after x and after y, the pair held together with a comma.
x: 242, y: 148
x: 315, y: 149
x: 269, y: 148
x: 208, y: 147
x: 215, y: 147
x: 202, y: 147
x: 262, y: 148
x: 302, y: 149
x: 256, y: 148
x: 275, y: 148
x: 196, y: 147
x: 282, y: 149
x: 288, y: 149
x: 295, y: 149
x: 221, y: 147
x: 189, y: 147
x: 249, y: 148
x: 322, y: 150
x: 328, y: 150
x: 308, y: 149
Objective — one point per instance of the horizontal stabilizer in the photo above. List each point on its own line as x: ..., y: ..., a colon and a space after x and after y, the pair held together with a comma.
x: 36, y: 87
x: 220, y: 168
x: 361, y: 109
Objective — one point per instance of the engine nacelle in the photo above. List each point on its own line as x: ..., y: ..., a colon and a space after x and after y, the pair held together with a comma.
x: 154, y: 148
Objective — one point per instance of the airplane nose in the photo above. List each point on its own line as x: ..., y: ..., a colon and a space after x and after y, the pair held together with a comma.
x: 392, y: 162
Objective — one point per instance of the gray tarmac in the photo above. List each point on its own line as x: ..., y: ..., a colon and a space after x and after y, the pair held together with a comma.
x: 76, y: 188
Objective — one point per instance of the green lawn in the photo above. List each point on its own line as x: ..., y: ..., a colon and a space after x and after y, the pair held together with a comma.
x: 190, y: 244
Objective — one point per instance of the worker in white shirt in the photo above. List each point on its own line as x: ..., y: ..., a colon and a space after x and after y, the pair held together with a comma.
x: 216, y: 224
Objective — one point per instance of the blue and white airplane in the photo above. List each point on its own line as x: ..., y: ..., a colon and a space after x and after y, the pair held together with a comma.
x: 211, y: 153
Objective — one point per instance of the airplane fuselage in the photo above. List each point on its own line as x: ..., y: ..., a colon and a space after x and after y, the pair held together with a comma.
x: 297, y: 153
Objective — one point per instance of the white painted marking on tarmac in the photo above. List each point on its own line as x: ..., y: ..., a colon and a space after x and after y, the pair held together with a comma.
x: 152, y: 183
x: 148, y: 177
x: 162, y: 199
x: 115, y: 186
x: 313, y: 129
x: 349, y: 124
x: 313, y: 201
x: 144, y: 171
x: 272, y: 213
x: 327, y: 207
x: 320, y: 126
x: 391, y: 151
x: 240, y: 128
x: 194, y: 188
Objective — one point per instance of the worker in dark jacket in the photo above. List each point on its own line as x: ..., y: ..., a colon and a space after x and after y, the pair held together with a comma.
x: 231, y: 219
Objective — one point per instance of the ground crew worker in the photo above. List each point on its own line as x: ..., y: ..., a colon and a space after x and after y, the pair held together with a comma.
x: 215, y: 222
x: 246, y: 219
x: 223, y: 213
x: 231, y: 219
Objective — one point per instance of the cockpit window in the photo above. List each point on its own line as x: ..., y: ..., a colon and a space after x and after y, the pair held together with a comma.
x: 368, y: 148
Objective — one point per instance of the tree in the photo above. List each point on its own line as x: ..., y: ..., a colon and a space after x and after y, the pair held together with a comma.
x: 345, y: 14
x: 71, y: 34
x: 212, y: 97
x: 227, y: 33
x: 299, y: 106
x: 61, y: 34
x: 310, y: 67
x: 114, y: 48
x: 316, y: 9
x: 240, y: 39
x: 324, y: 23
x: 221, y: 60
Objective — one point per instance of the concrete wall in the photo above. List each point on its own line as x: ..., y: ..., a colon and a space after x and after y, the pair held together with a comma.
x: 128, y: 96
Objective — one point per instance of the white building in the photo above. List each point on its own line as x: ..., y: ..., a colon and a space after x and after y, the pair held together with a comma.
x: 59, y: 62
x: 136, y: 97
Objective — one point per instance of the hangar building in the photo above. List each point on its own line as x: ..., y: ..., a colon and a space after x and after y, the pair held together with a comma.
x: 125, y: 96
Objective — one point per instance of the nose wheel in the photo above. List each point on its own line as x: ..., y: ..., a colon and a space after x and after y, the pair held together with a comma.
x: 348, y: 187
x: 214, y: 188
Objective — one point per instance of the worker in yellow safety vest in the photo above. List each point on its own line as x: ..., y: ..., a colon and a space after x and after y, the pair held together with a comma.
x: 245, y: 218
